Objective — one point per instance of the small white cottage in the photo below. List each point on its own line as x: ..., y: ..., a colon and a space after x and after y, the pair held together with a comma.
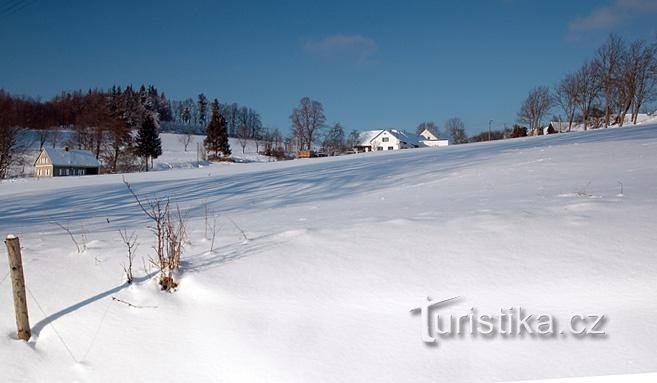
x: 65, y: 162
x: 427, y: 135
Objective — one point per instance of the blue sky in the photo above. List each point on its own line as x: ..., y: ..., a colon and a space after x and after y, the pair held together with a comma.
x: 373, y: 64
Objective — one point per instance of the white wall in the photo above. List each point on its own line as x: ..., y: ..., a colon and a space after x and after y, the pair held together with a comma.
x: 392, y: 142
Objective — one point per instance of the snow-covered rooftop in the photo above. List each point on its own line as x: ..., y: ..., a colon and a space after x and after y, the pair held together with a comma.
x: 409, y: 138
x: 366, y: 137
x: 76, y: 158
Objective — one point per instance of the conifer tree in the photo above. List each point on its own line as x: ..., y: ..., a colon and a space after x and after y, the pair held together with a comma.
x: 148, y: 140
x: 216, y: 139
x: 202, y: 109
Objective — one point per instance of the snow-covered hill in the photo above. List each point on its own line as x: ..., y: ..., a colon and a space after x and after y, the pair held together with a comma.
x: 334, y: 254
x: 174, y: 155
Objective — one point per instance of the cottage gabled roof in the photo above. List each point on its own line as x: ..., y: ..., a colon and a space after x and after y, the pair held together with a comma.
x: 428, y: 132
x: 71, y: 158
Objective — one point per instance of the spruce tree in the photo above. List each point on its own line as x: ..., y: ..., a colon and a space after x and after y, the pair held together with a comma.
x: 202, y: 109
x: 149, y: 144
x: 216, y: 139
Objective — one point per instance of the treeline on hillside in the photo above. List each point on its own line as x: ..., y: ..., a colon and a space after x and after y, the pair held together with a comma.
x: 192, y: 116
x: 103, y: 121
x: 100, y: 121
x: 618, y: 81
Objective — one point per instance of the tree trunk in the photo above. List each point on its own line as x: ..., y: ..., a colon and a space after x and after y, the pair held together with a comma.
x: 116, y: 159
x: 623, y: 113
x: 637, y: 107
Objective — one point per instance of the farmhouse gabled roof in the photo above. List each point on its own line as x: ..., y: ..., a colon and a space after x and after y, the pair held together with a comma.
x: 408, y: 138
x: 365, y: 138
x: 72, y: 158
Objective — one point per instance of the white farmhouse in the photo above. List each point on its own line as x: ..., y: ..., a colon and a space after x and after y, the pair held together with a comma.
x: 64, y: 162
x: 387, y: 139
x: 392, y: 139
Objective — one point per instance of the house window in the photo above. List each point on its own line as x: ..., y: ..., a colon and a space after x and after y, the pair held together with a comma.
x: 379, y: 148
x: 390, y: 148
x: 385, y: 139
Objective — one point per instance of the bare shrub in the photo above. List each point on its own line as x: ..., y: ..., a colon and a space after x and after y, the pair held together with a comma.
x: 130, y: 242
x: 170, y: 236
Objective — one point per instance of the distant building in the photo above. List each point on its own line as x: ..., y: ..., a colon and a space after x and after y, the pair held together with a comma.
x: 64, y: 162
x: 427, y: 138
x: 392, y: 139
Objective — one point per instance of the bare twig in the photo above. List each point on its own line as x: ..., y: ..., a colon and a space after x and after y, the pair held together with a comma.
x: 214, y: 233
x: 136, y: 197
x: 131, y: 305
x: 238, y: 228
x: 77, y: 245
x: 205, y: 219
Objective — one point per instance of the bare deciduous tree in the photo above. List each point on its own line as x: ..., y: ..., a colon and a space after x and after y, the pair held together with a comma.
x: 8, y: 146
x: 455, y: 129
x: 608, y: 60
x: 538, y: 103
x: 565, y: 94
x: 354, y: 138
x: 262, y: 138
x: 307, y: 120
x: 185, y: 139
x: 588, y: 89
x: 646, y: 80
x: 8, y: 133
x: 243, y: 136
x: 334, y: 141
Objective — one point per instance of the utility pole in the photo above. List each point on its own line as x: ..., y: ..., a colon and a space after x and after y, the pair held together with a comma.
x: 489, y: 124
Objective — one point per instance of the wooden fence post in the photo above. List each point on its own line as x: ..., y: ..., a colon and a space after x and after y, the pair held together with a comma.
x: 18, y: 286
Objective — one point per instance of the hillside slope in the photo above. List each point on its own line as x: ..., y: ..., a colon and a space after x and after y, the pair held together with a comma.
x: 317, y: 263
